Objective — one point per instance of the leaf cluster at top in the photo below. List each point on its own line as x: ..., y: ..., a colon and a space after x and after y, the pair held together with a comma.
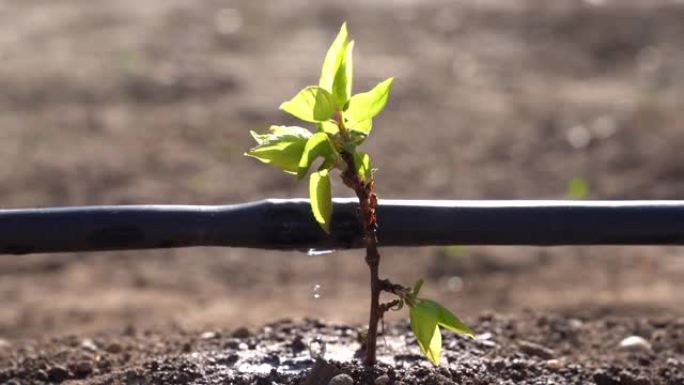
x: 343, y: 121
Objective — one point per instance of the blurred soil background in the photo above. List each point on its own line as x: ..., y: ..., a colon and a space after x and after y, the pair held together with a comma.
x: 137, y: 102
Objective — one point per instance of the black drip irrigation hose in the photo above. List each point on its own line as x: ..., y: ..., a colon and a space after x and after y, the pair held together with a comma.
x: 288, y: 224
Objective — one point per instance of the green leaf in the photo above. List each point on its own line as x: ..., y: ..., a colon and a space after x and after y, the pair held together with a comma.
x: 447, y: 319
x: 417, y: 286
x: 425, y: 327
x: 362, y: 162
x: 333, y: 59
x: 363, y: 127
x: 320, y: 194
x: 341, y: 88
x: 578, y: 188
x: 283, y: 148
x: 349, y: 68
x: 317, y: 146
x: 312, y: 104
x: 366, y: 105
x: 329, y: 127
x: 291, y: 130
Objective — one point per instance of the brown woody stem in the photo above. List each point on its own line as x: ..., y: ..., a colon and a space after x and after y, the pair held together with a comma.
x: 367, y: 207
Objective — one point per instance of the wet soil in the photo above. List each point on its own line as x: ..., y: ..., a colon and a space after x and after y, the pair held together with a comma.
x: 526, y: 349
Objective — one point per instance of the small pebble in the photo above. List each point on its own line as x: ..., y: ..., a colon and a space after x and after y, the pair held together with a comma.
x: 242, y: 332
x: 133, y: 377
x: 484, y: 336
x: 575, y: 324
x: 554, y: 364
x: 114, y: 348
x: 486, y: 343
x: 57, y: 374
x: 298, y: 344
x: 635, y: 344
x: 41, y: 375
x: 532, y: 349
x: 89, y: 345
x: 208, y: 335
x: 485, y: 339
x: 341, y: 379
x: 83, y: 369
x: 382, y: 380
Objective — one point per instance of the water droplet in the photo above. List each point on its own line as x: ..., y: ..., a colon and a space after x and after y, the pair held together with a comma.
x: 317, y: 291
x: 578, y: 136
x: 317, y: 348
x: 317, y: 252
x: 455, y: 283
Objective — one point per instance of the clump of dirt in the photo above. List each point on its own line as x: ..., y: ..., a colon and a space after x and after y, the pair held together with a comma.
x: 527, y: 349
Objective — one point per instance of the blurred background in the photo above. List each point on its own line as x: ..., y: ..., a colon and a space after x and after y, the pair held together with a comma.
x: 135, y: 102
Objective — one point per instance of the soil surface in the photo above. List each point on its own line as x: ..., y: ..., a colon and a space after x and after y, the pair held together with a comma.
x: 136, y: 102
x: 528, y: 349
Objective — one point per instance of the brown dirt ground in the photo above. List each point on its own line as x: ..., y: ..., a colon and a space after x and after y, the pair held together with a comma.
x: 129, y: 102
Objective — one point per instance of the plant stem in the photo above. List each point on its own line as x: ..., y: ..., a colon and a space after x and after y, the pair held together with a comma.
x: 367, y: 207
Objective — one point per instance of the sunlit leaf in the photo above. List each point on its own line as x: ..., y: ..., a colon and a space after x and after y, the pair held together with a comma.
x: 291, y: 130
x: 363, y: 165
x: 363, y: 127
x: 333, y: 58
x: 425, y: 327
x: 349, y: 68
x: 321, y: 198
x: 366, y: 105
x: 341, y: 88
x: 447, y: 319
x: 282, y: 148
x: 317, y: 146
x: 329, y: 127
x: 312, y: 104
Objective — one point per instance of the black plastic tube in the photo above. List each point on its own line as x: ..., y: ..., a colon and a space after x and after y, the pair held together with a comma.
x: 288, y: 224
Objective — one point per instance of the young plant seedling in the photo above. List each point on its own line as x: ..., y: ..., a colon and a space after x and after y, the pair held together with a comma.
x: 343, y: 121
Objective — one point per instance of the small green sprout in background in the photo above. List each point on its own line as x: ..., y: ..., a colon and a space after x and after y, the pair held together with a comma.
x: 342, y: 123
x: 578, y: 188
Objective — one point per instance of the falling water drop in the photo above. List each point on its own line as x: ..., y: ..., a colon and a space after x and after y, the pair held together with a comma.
x: 317, y: 291
x: 454, y: 283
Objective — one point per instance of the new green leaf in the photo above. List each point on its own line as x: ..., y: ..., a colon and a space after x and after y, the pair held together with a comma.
x: 283, y: 148
x: 366, y: 105
x: 447, y: 319
x: 336, y: 73
x: 318, y: 145
x: 341, y: 88
x: 320, y: 194
x: 312, y: 104
x: 425, y: 327
x: 291, y: 130
x: 363, y: 165
x: 329, y: 127
x: 363, y: 127
x: 426, y: 318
